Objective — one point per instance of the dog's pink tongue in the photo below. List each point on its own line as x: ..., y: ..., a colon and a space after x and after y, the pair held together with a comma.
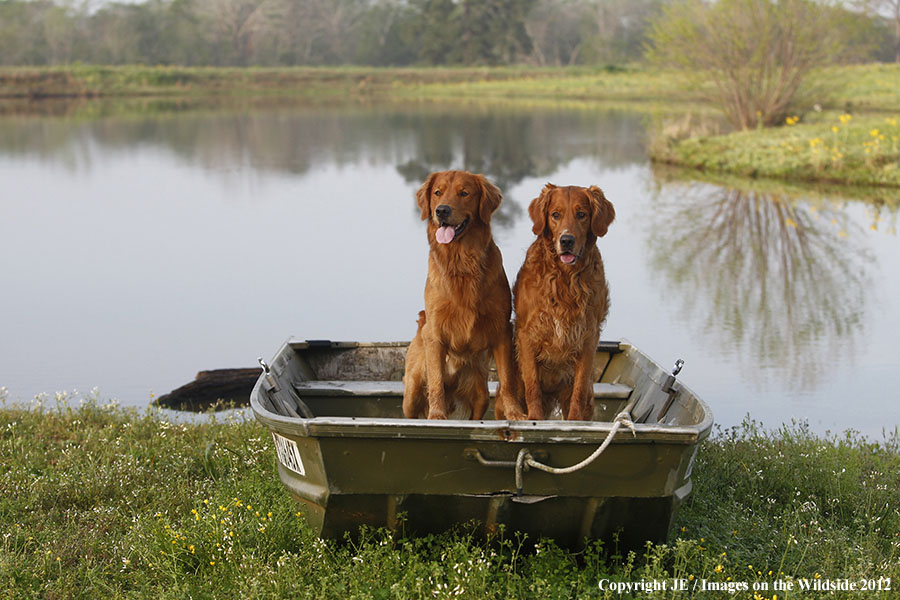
x: 567, y: 258
x: 444, y: 235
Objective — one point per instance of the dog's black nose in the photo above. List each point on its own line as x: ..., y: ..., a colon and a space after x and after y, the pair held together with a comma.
x: 442, y: 211
x: 566, y: 241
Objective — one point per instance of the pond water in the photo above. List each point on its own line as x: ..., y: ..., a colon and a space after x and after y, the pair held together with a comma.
x: 138, y: 250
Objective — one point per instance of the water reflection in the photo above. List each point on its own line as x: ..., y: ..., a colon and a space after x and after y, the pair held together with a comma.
x: 506, y: 143
x: 783, y: 283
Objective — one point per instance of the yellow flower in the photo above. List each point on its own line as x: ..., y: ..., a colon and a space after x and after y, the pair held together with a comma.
x: 719, y: 568
x: 834, y: 128
x: 874, y: 133
x: 845, y: 118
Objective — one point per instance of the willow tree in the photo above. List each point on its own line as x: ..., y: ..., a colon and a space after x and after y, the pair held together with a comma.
x: 754, y: 58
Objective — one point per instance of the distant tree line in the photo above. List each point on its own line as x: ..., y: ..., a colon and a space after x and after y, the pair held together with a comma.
x: 359, y: 32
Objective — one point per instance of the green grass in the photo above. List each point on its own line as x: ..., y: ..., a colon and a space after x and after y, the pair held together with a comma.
x: 856, y: 88
x: 861, y: 150
x: 105, y: 81
x: 96, y: 501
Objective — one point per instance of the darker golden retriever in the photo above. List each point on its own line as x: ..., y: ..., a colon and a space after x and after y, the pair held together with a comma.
x: 467, y: 306
x: 562, y: 300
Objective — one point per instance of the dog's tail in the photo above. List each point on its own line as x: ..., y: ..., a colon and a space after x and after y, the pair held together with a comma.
x: 420, y: 321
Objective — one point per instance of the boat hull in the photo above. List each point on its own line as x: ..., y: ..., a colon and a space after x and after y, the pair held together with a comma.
x: 417, y: 476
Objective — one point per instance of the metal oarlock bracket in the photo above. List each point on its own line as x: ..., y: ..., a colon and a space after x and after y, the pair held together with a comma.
x: 271, y: 384
x: 668, y: 388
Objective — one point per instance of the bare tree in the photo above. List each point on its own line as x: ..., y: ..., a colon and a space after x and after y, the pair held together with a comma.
x: 239, y: 23
x: 885, y: 8
x: 753, y: 56
x: 556, y: 30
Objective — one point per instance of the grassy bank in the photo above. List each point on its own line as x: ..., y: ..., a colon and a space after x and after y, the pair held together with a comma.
x: 129, y: 81
x: 100, y: 502
x: 860, y: 87
x: 861, y: 149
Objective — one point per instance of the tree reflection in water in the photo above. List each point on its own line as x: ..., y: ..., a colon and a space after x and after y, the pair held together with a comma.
x: 780, y: 282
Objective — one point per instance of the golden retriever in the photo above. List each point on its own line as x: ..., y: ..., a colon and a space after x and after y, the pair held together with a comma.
x: 467, y: 306
x: 562, y: 300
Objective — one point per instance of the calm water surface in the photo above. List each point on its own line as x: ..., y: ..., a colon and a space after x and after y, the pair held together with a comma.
x: 139, y: 250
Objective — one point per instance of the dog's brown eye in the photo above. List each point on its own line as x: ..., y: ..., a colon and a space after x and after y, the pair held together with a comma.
x: 463, y: 193
x: 580, y: 214
x: 555, y: 216
x: 437, y: 192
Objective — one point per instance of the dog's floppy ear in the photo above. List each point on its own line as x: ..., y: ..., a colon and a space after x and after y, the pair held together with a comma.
x: 537, y: 210
x: 490, y: 198
x: 423, y: 196
x: 602, y: 212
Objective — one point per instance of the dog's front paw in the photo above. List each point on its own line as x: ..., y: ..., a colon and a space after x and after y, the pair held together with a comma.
x: 437, y: 414
x: 514, y: 414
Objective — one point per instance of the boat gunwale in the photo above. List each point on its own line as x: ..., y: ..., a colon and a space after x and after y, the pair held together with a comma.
x: 549, y: 431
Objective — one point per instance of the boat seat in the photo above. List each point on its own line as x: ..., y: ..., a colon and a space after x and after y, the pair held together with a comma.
x: 321, y: 387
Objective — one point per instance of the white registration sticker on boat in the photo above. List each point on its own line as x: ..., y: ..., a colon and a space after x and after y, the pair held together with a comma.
x: 288, y: 454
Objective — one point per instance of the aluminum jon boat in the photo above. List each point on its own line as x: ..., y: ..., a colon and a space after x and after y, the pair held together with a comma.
x: 348, y: 455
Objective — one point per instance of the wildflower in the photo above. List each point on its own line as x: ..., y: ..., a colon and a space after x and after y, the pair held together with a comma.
x: 845, y: 118
x: 719, y: 568
x: 874, y: 133
x: 834, y: 128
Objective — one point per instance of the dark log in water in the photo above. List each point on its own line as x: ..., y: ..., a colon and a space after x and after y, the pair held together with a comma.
x: 217, y: 389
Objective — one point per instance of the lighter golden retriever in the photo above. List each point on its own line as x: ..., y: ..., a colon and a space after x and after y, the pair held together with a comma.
x: 562, y: 300
x: 467, y: 306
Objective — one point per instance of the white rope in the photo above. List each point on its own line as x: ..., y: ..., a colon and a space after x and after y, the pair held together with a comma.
x: 623, y: 418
